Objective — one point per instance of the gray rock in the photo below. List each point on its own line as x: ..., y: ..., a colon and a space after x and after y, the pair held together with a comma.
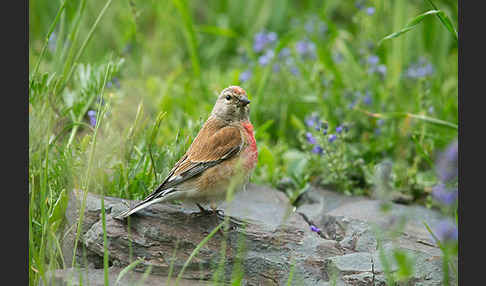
x: 267, y: 239
x: 95, y: 277
x: 350, y: 263
x: 273, y: 240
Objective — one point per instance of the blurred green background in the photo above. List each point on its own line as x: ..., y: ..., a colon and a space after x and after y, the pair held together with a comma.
x: 148, y: 73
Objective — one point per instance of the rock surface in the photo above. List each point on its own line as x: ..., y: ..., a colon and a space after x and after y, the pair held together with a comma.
x: 273, y: 243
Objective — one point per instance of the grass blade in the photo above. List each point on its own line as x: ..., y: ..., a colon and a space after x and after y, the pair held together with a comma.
x: 189, y: 34
x: 411, y: 25
x: 46, y: 42
x: 128, y: 268
x: 83, y: 46
x: 445, y: 20
x: 196, y: 250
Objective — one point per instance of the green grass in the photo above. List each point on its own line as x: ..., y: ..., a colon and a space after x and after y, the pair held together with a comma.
x: 171, y: 58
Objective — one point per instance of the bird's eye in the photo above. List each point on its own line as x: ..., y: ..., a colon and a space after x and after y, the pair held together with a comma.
x: 228, y: 97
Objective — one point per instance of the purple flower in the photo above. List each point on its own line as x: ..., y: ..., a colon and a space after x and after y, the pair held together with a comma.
x: 445, y: 231
x: 272, y: 37
x: 259, y: 42
x: 370, y: 10
x: 420, y: 69
x: 294, y: 70
x: 306, y: 49
x: 317, y: 150
x: 447, y: 164
x: 373, y: 60
x: 310, y: 138
x: 92, y: 117
x: 381, y: 69
x: 443, y: 195
x: 315, y: 229
x: 339, y: 129
x: 324, y: 131
x: 312, y: 121
x: 332, y: 138
x: 262, y: 40
x: 380, y: 122
x: 368, y: 99
x: 245, y: 76
x: 264, y: 59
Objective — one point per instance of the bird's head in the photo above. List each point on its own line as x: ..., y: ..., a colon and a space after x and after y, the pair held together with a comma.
x: 232, y: 105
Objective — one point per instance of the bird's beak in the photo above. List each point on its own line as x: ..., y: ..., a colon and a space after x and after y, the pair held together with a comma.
x: 244, y: 101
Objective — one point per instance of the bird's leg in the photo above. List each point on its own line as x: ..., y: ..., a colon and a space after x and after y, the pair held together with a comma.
x: 202, y: 211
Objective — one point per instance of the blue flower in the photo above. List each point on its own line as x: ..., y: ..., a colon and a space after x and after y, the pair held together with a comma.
x: 92, y: 117
x: 264, y: 59
x: 245, y: 76
x: 317, y: 150
x: 294, y: 70
x: 306, y: 49
x: 276, y: 67
x: 381, y: 69
x: 315, y: 229
x: 312, y: 121
x: 420, y: 69
x: 259, y: 42
x: 332, y: 138
x: 370, y: 10
x: 443, y: 195
x: 368, y: 99
x: 339, y: 129
x: 447, y: 164
x: 445, y: 231
x: 262, y: 40
x: 272, y: 37
x: 310, y: 138
x: 373, y: 60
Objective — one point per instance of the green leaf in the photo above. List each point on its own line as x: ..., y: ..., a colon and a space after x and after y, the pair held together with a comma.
x: 267, y: 158
x: 296, y: 122
x: 411, y: 25
x: 215, y: 30
x: 405, y: 265
x: 445, y: 20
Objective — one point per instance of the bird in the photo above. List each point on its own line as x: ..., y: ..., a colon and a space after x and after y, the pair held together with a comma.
x: 223, y: 155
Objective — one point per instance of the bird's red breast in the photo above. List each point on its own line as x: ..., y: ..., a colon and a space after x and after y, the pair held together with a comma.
x: 252, y: 150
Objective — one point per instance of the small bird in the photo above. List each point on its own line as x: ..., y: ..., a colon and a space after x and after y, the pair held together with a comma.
x: 222, y: 156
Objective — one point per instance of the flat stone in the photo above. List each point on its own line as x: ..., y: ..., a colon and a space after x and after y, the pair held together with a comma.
x: 272, y: 238
x: 351, y: 263
x: 95, y: 277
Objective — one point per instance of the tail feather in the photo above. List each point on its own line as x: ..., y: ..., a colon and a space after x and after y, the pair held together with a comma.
x: 155, y: 198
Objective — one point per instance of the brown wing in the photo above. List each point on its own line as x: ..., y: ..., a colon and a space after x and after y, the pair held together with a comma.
x: 209, y: 148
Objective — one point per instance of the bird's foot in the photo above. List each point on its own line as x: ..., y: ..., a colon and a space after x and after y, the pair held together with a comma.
x: 204, y: 212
